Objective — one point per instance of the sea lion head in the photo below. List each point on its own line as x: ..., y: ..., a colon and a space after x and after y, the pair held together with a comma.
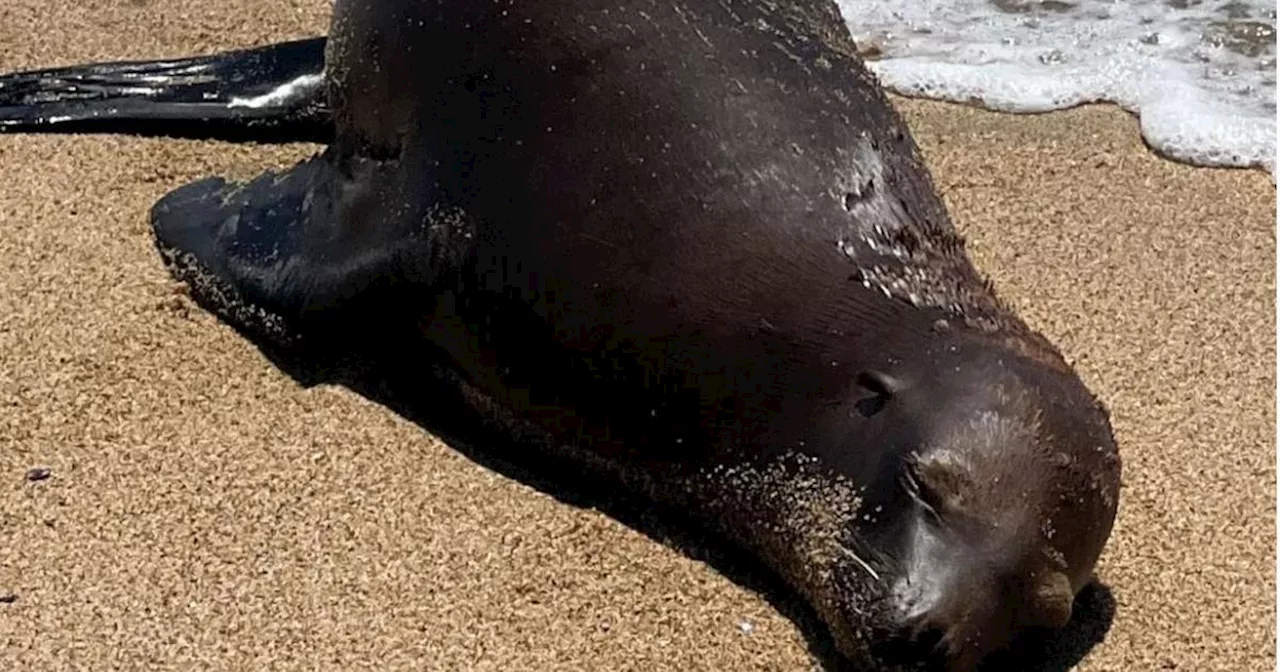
x: 993, y: 501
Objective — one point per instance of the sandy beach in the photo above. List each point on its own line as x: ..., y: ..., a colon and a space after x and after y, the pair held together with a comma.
x: 205, y: 511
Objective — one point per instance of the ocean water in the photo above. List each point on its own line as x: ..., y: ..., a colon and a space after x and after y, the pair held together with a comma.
x: 1199, y: 74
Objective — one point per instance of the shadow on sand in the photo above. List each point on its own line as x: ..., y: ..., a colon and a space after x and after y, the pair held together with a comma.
x: 410, y: 383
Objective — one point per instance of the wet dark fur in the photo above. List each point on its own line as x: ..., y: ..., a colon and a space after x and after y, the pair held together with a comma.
x: 691, y: 247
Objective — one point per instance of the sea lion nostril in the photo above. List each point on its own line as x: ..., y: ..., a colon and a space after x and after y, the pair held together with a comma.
x: 1052, y: 601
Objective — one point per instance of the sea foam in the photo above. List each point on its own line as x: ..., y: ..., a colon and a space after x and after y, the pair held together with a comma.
x: 1199, y: 74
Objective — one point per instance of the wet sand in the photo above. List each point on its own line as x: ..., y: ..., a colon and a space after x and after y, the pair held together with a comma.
x: 204, y: 510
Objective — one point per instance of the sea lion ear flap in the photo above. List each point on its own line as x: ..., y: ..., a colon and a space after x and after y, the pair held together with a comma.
x: 882, y: 385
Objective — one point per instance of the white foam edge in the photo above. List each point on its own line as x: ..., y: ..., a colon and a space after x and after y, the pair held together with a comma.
x: 1175, y: 119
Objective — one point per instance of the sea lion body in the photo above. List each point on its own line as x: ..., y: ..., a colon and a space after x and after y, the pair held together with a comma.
x: 692, y: 245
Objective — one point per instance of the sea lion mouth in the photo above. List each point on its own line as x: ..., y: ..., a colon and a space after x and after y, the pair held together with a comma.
x: 915, y: 648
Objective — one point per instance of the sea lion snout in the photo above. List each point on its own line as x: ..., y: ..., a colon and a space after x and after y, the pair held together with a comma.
x: 956, y: 602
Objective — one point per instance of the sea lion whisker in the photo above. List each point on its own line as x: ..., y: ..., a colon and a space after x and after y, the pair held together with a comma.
x: 848, y: 552
x: 913, y: 488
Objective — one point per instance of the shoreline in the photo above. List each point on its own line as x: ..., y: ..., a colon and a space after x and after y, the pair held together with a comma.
x: 1100, y: 104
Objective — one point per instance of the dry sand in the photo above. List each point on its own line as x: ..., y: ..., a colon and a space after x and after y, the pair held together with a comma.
x: 206, y: 511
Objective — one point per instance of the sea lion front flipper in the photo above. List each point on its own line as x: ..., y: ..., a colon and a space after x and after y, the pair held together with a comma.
x: 281, y: 253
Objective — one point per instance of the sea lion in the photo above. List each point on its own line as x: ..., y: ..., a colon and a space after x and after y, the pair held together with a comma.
x: 691, y: 246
